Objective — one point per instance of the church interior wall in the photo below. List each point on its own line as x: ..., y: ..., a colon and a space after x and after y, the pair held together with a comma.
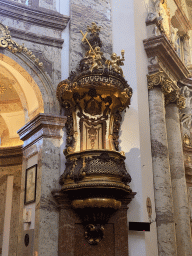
x: 123, y: 26
x: 135, y: 135
x: 45, y: 43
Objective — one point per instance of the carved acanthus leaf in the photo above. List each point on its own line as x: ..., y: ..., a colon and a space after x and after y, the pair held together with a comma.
x: 6, y: 41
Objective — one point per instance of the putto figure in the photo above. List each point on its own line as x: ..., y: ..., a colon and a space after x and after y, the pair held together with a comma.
x: 93, y: 57
x: 116, y: 62
x: 96, y: 57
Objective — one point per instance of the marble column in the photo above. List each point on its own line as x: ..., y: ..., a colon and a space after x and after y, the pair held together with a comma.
x: 161, y: 170
x: 179, y: 186
x: 41, y: 138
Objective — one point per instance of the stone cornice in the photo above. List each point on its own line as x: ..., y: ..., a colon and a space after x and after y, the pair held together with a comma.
x: 45, y: 40
x: 42, y: 126
x: 35, y: 16
x: 159, y: 47
x: 11, y: 155
x: 186, y: 82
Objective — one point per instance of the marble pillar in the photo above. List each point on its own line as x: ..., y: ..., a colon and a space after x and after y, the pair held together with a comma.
x: 179, y: 186
x: 41, y: 138
x: 162, y: 177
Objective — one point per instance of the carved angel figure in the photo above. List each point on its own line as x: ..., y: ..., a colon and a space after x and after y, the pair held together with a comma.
x: 186, y: 114
x: 96, y: 58
x: 174, y: 36
x: 116, y: 62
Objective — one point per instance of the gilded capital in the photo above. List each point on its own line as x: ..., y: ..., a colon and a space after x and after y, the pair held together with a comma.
x: 169, y: 88
x: 175, y: 97
x: 160, y: 79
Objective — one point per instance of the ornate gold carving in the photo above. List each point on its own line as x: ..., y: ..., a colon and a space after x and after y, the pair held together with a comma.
x: 95, y: 177
x: 186, y: 140
x: 104, y: 166
x: 155, y: 80
x: 101, y: 209
x: 92, y: 135
x: 94, y: 28
x: 160, y: 79
x: 7, y: 42
x: 93, y: 56
x: 93, y: 59
x: 175, y: 97
x: 116, y: 62
x: 97, y: 202
x: 2, y: 89
x: 94, y: 233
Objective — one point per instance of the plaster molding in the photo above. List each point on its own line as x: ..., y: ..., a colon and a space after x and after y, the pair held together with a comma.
x: 35, y: 16
x: 11, y: 155
x: 32, y: 37
x: 42, y: 126
x: 162, y: 55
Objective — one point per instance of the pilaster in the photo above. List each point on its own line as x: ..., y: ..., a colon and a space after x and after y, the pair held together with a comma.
x: 178, y: 181
x: 158, y: 84
x: 41, y: 138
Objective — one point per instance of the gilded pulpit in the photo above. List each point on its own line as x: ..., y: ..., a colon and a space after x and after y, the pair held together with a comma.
x: 95, y: 183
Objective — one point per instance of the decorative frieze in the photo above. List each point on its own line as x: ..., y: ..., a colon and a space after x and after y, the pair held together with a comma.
x: 6, y: 42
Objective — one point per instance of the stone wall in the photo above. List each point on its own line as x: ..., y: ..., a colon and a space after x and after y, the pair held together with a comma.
x: 82, y: 14
x: 48, y: 4
x: 40, y: 31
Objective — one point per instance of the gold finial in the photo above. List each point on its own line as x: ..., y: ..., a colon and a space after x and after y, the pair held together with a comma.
x: 93, y: 29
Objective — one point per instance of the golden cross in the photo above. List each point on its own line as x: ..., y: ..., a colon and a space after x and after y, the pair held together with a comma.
x: 85, y: 38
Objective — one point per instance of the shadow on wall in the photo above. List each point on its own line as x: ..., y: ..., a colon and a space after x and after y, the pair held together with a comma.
x: 132, y: 163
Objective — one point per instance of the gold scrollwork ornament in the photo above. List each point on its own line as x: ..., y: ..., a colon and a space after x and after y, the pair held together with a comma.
x: 154, y: 80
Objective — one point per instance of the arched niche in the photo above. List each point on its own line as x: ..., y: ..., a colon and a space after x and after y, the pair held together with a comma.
x: 20, y: 100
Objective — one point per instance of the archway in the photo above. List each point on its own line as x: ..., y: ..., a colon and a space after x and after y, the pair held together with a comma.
x: 20, y: 100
